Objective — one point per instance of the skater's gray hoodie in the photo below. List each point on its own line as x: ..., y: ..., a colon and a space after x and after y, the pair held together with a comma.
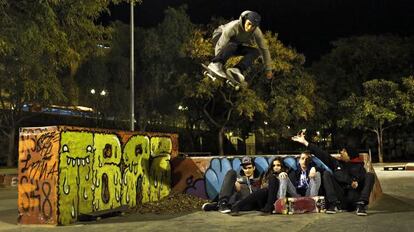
x: 234, y: 32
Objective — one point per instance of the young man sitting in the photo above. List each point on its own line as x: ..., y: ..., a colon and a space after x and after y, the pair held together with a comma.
x: 236, y: 187
x: 349, y: 187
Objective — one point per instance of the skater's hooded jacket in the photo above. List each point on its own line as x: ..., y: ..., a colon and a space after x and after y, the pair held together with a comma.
x: 234, y: 32
x: 344, y: 172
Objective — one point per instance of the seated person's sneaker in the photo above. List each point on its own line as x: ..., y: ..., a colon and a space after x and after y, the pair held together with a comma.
x: 236, y: 74
x: 235, y: 211
x: 331, y: 207
x: 361, y: 208
x: 223, y: 207
x: 217, y: 68
x: 267, y: 209
x: 210, y: 206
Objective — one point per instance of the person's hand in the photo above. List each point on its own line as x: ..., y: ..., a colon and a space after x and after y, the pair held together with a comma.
x: 269, y: 75
x: 354, y: 184
x: 300, y: 138
x: 283, y: 175
x: 312, y: 172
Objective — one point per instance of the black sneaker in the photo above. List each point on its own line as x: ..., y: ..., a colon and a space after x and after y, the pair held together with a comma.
x: 331, y: 209
x: 223, y: 207
x: 267, y: 209
x: 210, y: 206
x: 361, y: 209
x: 235, y: 211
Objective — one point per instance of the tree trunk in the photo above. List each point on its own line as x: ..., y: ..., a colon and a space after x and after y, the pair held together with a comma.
x: 220, y: 141
x: 10, y: 155
x: 380, y: 147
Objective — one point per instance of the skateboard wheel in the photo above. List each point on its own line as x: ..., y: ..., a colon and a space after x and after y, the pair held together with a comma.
x: 237, y: 88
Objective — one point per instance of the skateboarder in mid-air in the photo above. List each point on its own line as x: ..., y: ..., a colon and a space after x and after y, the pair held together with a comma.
x: 236, y: 39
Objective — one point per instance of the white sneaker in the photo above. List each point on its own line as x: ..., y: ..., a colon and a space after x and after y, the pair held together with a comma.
x: 217, y: 68
x: 236, y: 74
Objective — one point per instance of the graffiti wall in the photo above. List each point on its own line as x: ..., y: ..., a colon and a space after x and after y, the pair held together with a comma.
x: 65, y: 172
x: 203, y: 176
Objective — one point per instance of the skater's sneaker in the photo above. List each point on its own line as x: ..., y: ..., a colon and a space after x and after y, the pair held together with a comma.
x: 361, y: 208
x: 236, y: 74
x: 223, y: 207
x: 210, y: 206
x: 217, y: 69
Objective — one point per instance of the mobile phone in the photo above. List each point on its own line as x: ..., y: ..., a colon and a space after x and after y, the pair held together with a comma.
x: 301, y: 132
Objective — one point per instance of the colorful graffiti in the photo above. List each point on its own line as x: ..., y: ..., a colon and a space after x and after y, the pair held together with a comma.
x: 66, y: 172
x: 38, y: 168
x: 203, y: 176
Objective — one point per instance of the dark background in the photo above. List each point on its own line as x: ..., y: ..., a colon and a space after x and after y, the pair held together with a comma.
x: 306, y: 25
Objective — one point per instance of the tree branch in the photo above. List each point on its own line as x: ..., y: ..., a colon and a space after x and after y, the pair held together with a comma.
x: 209, y: 117
x: 387, y: 127
x: 225, y: 98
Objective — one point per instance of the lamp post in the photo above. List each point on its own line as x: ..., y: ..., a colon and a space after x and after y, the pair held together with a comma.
x: 103, y: 93
x: 132, y: 68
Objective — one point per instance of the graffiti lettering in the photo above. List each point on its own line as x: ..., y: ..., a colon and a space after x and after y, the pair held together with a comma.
x: 95, y: 172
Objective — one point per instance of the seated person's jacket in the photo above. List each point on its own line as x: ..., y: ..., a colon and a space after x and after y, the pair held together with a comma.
x: 249, y: 185
x: 344, y: 172
x: 295, y: 174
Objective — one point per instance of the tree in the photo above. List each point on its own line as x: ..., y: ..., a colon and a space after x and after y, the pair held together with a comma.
x: 407, y: 98
x: 355, y: 60
x: 42, y: 44
x: 161, y: 62
x: 376, y: 110
x: 225, y: 109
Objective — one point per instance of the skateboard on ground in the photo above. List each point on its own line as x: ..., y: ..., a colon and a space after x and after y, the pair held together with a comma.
x: 98, y: 215
x: 228, y: 79
x: 299, y: 205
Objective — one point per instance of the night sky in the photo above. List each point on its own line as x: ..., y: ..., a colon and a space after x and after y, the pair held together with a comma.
x: 307, y: 25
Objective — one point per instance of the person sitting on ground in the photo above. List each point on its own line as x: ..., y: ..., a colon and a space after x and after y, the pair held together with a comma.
x: 235, y: 39
x: 349, y: 186
x: 306, y: 178
x: 236, y: 187
x: 273, y: 187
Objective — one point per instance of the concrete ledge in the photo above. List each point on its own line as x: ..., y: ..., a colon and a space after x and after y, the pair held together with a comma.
x: 8, y: 180
x: 409, y: 167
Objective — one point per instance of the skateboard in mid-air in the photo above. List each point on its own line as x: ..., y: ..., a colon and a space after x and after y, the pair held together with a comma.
x: 228, y: 79
x: 299, y: 205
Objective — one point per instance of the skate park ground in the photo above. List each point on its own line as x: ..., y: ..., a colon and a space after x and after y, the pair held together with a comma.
x: 394, y: 211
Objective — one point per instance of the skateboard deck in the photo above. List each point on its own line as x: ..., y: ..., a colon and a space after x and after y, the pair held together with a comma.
x: 228, y: 80
x: 98, y: 215
x: 300, y: 205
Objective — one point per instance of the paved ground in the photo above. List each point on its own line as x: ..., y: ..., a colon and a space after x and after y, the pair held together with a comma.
x: 394, y: 211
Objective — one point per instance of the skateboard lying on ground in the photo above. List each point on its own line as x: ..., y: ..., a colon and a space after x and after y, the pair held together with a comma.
x: 299, y: 205
x: 98, y: 215
x: 228, y: 79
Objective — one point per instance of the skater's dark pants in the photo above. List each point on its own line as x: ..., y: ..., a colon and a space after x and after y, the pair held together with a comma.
x: 228, y: 191
x: 348, y: 197
x: 262, y: 198
x: 249, y: 54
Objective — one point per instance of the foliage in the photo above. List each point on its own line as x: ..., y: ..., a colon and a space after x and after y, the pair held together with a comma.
x: 376, y: 110
x: 42, y: 44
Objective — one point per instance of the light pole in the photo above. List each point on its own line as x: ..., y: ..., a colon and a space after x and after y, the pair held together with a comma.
x: 132, y: 67
x: 103, y: 93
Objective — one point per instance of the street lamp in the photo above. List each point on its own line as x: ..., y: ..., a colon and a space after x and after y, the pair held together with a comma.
x: 103, y: 93
x: 132, y: 94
